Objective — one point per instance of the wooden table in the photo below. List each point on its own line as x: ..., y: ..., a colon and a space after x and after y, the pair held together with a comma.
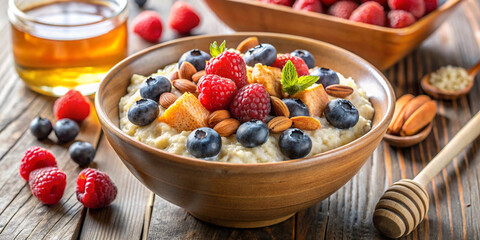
x: 139, y: 214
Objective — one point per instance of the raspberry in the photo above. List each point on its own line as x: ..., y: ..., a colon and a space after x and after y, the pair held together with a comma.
x: 369, y: 12
x: 400, y: 19
x: 216, y: 92
x: 415, y: 7
x: 384, y: 3
x: 72, y: 105
x: 308, y: 5
x: 279, y: 2
x: 228, y: 65
x: 251, y: 102
x: 95, y: 189
x: 342, y: 9
x: 35, y: 158
x: 48, y: 184
x: 300, y: 65
x: 148, y: 26
x: 328, y: 2
x: 430, y: 5
x: 183, y: 18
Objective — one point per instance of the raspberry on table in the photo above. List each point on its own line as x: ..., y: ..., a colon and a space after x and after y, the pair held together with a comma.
x: 342, y: 9
x: 279, y: 2
x: 148, y: 25
x: 308, y: 5
x: 183, y: 18
x: 251, y: 102
x: 35, y: 158
x: 48, y: 184
x: 300, y: 65
x: 72, y: 105
x: 400, y: 19
x: 369, y: 12
x: 216, y: 92
x: 95, y: 189
x: 228, y: 65
x: 415, y: 7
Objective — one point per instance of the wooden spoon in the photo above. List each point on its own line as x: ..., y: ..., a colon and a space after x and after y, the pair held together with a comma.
x: 449, y: 95
x: 404, y: 205
x: 407, y: 141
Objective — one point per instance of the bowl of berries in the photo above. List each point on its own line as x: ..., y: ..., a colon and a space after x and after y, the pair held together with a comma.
x: 247, y: 132
x: 381, y: 31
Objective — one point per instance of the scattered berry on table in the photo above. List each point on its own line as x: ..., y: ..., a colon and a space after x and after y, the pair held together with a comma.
x: 41, y: 128
x: 415, y: 7
x: 95, y: 189
x: 227, y: 64
x: 326, y: 76
x: 204, y: 143
x: 82, y: 153
x: 306, y: 56
x: 294, y: 143
x: 430, y: 5
x: 196, y: 57
x: 296, y: 107
x: 251, y: 102
x: 384, y: 3
x: 48, y: 184
x: 35, y: 158
x: 308, y: 5
x: 140, y: 3
x: 342, y: 9
x: 300, y: 66
x: 400, y: 19
x: 154, y: 86
x: 370, y: 12
x: 143, y: 112
x: 264, y: 53
x: 72, y: 105
x: 148, y: 26
x: 216, y: 92
x: 183, y: 18
x: 279, y: 2
x: 253, y: 133
x: 66, y: 130
x: 341, y: 113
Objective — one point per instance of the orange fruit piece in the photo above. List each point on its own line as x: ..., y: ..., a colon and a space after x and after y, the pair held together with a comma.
x: 186, y: 113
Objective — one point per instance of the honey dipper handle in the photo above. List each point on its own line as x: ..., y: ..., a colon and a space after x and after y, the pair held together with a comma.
x: 465, y: 136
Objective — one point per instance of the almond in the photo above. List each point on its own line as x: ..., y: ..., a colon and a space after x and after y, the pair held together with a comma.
x: 174, y: 76
x: 399, y: 105
x: 419, y: 119
x: 279, y: 124
x: 196, y: 77
x: 306, y: 123
x: 184, y: 85
x: 279, y: 107
x: 227, y: 127
x: 339, y: 91
x: 186, y: 70
x: 167, y: 99
x: 246, y: 44
x: 414, y: 104
x: 217, y: 116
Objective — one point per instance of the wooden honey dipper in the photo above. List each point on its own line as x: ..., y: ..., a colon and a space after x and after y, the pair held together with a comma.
x: 404, y: 205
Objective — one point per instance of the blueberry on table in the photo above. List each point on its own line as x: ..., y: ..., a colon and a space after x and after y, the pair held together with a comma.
x: 154, y: 86
x: 143, y: 112
x: 82, y: 153
x: 295, y: 143
x: 296, y: 107
x: 204, y: 143
x: 252, y: 133
x: 66, y: 130
x: 196, y: 57
x: 41, y: 128
x: 264, y: 53
x: 341, y: 113
x: 306, y: 56
x: 326, y: 76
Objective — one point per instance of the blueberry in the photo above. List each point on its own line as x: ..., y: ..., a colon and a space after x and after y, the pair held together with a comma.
x: 143, y: 112
x: 140, y: 3
x: 306, y: 56
x: 252, y: 133
x: 326, y: 76
x: 82, y: 153
x: 154, y: 86
x: 294, y: 143
x: 196, y: 57
x: 296, y: 107
x: 341, y: 113
x: 41, y: 128
x: 204, y: 143
x: 66, y: 130
x: 264, y: 53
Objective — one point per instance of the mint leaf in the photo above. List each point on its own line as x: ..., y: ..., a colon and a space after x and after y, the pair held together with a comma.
x: 289, y: 78
x: 305, y: 82
x: 216, y: 50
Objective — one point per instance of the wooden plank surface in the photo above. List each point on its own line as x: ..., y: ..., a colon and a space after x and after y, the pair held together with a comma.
x: 455, y: 194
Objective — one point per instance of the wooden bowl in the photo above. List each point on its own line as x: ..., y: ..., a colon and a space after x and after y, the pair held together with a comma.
x: 243, y: 195
x: 408, y: 141
x: 381, y: 46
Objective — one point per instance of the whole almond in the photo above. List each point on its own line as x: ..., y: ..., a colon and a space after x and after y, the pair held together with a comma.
x: 246, y: 44
x: 306, y: 123
x: 196, y: 77
x: 217, y: 116
x: 279, y: 107
x: 414, y: 104
x: 419, y: 119
x: 279, y: 124
x: 399, y: 105
x: 174, y: 76
x: 339, y: 91
x: 186, y: 70
x: 167, y: 99
x: 227, y: 127
x: 184, y: 85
